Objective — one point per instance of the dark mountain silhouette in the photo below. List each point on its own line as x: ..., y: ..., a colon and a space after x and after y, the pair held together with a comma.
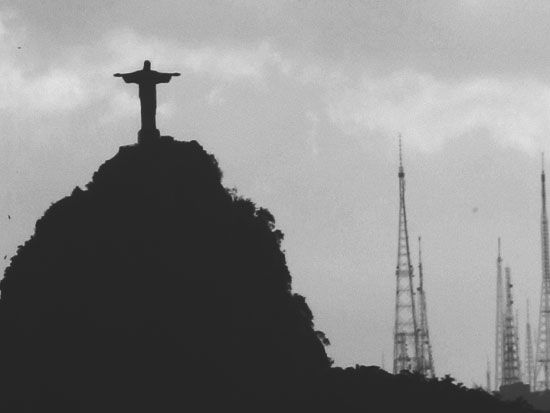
x: 158, y: 290
x: 155, y: 287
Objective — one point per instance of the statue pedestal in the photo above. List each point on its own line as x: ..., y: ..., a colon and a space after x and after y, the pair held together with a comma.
x: 146, y: 136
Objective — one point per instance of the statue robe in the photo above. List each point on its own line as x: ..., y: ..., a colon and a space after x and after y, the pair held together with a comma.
x: 147, y: 81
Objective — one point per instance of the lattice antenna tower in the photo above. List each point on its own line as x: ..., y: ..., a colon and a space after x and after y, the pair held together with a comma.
x: 425, y: 358
x: 542, y: 358
x: 516, y: 331
x: 499, y: 322
x: 510, y: 355
x: 405, y: 334
x: 528, y: 352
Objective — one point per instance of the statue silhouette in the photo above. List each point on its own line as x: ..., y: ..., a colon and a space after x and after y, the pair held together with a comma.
x: 147, y: 80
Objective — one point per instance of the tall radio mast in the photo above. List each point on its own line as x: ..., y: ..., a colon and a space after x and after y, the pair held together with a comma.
x: 499, y: 323
x: 425, y: 358
x: 542, y: 359
x: 510, y: 356
x: 405, y: 335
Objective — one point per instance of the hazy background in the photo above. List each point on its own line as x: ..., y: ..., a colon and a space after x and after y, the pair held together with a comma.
x: 301, y: 102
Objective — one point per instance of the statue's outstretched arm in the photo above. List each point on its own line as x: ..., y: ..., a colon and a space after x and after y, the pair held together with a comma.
x: 132, y: 77
x: 164, y: 77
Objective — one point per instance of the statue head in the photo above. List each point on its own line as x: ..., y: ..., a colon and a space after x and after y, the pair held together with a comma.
x: 147, y: 65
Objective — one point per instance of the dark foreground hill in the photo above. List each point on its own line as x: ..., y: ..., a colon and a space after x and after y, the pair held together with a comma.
x: 157, y: 290
x: 153, y: 288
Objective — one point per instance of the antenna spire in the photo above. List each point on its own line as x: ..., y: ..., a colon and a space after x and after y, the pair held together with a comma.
x: 542, y: 354
x: 401, y: 170
x: 499, y: 323
x: 406, y: 340
x: 420, y: 250
x: 510, y: 358
x: 529, y: 379
x: 401, y: 151
x: 426, y: 362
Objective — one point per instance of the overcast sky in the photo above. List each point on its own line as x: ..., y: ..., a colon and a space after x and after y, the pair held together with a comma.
x: 301, y: 102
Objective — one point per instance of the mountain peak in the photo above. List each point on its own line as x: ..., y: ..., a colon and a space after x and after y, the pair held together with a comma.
x: 140, y: 286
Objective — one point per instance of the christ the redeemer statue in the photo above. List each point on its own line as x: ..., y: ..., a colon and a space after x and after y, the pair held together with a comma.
x: 147, y: 80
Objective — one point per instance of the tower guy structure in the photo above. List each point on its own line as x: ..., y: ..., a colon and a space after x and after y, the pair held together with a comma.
x: 516, y: 332
x: 405, y: 335
x: 528, y: 352
x: 499, y: 322
x: 425, y: 358
x: 542, y: 358
x: 510, y: 353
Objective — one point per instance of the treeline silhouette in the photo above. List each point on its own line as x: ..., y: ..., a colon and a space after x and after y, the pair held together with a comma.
x: 156, y: 289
